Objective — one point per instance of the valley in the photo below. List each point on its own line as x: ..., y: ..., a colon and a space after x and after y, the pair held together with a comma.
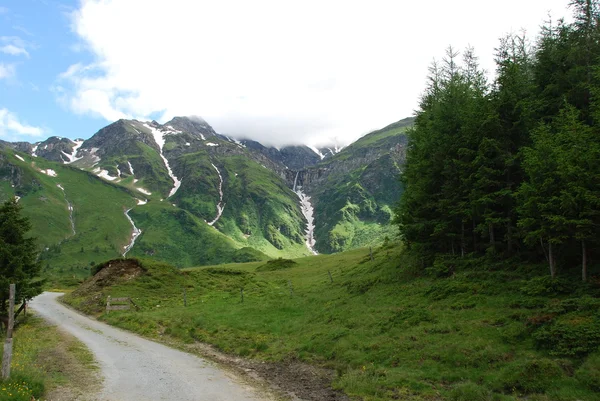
x: 182, y: 193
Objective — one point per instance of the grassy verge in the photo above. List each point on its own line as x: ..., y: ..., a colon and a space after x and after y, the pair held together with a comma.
x: 47, y: 364
x: 481, y: 334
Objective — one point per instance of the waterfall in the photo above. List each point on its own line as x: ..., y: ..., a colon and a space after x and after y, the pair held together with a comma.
x: 220, y: 205
x: 69, y: 207
x: 308, y: 212
x: 136, y: 233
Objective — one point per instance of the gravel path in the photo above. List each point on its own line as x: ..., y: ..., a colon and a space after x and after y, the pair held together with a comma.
x: 138, y: 369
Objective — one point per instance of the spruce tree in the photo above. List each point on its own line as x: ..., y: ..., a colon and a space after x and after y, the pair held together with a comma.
x: 18, y: 255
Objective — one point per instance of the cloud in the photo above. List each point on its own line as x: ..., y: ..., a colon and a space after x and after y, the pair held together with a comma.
x: 13, y: 45
x: 7, y: 71
x: 12, y: 129
x: 3, y: 10
x: 14, y: 50
x: 276, y: 71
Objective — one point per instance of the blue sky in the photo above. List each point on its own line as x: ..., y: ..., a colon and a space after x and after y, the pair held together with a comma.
x: 276, y: 71
x: 41, y: 30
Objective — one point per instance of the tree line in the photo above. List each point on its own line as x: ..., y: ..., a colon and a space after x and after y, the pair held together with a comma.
x: 510, y: 168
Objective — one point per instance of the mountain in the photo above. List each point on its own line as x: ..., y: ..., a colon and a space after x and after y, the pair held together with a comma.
x: 183, y: 193
x: 354, y: 191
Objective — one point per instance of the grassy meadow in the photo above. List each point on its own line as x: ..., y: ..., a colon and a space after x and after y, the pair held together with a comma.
x: 47, y: 363
x: 496, y: 334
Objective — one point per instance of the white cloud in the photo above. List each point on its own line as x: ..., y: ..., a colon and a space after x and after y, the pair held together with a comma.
x: 14, y: 50
x: 13, y: 45
x: 12, y: 129
x: 7, y: 71
x: 278, y: 71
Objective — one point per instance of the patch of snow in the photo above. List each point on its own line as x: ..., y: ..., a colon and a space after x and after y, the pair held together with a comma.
x: 35, y: 148
x: 45, y: 147
x: 49, y: 172
x: 17, y: 198
x: 118, y: 171
x: 172, y: 130
x: 142, y: 190
x: 73, y: 156
x: 130, y: 167
x: 136, y: 233
x: 135, y: 180
x: 174, y: 204
x: 211, y: 144
x: 203, y: 137
x: 60, y: 186
x: 160, y: 141
x: 308, y: 212
x: 220, y: 205
x: 20, y: 158
x: 187, y: 144
x: 135, y: 129
x: 321, y: 155
x: 142, y: 202
x: 104, y: 174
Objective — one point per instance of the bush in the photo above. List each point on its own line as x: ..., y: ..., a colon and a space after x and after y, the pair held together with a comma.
x: 546, y: 285
x: 576, y: 337
x: 470, y: 392
x: 446, y: 288
x: 277, y: 264
x: 514, y: 333
x: 531, y: 376
x: 589, y: 373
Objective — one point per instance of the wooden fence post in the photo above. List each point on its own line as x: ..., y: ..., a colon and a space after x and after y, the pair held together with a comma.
x: 108, y: 305
x: 184, y: 297
x: 7, y: 355
x: 330, y: 277
x: 371, y: 252
x: 291, y: 288
x: 242, y: 294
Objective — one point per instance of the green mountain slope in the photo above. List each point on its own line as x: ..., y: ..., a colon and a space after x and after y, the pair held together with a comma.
x: 354, y: 191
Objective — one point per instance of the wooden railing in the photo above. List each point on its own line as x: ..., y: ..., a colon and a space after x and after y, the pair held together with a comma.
x: 119, y: 303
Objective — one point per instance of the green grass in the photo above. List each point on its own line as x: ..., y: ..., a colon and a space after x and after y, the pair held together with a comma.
x: 389, y: 334
x: 44, y: 360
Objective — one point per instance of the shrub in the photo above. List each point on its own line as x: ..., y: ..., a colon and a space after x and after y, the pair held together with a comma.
x: 577, y: 337
x: 514, y: 333
x: 589, y: 372
x: 277, y: 264
x: 546, y: 285
x: 446, y: 288
x: 470, y: 392
x: 531, y: 376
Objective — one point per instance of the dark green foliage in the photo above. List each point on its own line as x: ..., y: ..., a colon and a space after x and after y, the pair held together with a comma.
x: 574, y: 336
x: 589, y: 372
x: 531, y: 376
x: 546, y: 286
x: 470, y: 392
x: 509, y: 170
x: 18, y: 255
x: 276, y: 264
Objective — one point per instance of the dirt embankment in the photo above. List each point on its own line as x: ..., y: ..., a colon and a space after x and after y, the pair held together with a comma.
x: 89, y: 297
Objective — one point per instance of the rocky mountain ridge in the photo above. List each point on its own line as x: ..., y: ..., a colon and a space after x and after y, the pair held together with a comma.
x: 193, y: 184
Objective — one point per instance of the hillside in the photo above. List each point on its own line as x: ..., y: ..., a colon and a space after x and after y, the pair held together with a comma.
x: 354, y: 191
x: 184, y: 194
x: 387, y: 331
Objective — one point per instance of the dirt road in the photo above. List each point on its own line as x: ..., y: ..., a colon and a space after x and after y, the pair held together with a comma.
x: 138, y: 369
